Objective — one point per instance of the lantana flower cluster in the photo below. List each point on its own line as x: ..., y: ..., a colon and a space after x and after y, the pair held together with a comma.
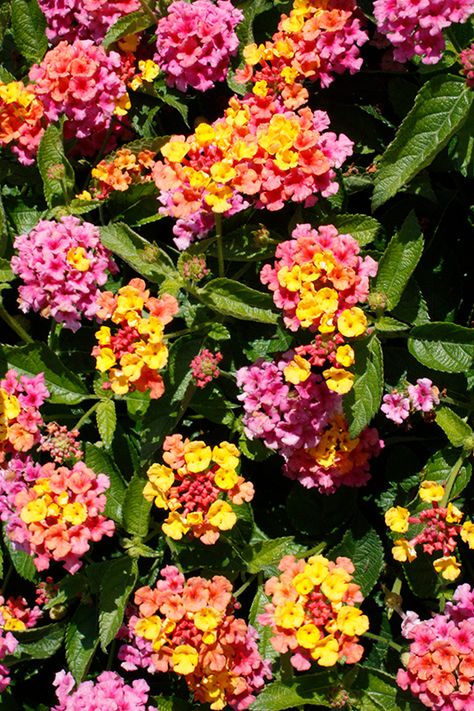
x: 305, y: 424
x: 317, y: 280
x: 440, y: 668
x: 415, y: 28
x: 108, y: 691
x: 399, y: 404
x: 62, y: 265
x: 197, y: 487
x: 189, y: 627
x: 83, y: 19
x: 126, y: 168
x: 55, y: 516
x: 258, y: 153
x: 441, y: 529
x: 205, y: 367
x: 62, y: 444
x: 22, y: 120
x: 132, y: 349
x: 8, y: 644
x: 195, y: 42
x: 15, y: 615
x: 316, y: 41
x: 20, y: 419
x: 313, y: 613
x: 467, y: 61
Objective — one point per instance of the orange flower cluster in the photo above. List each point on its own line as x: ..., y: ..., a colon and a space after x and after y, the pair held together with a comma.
x: 22, y: 120
x: 126, y: 168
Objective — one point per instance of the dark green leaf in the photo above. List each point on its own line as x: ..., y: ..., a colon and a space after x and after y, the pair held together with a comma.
x: 55, y: 169
x: 82, y: 638
x: 362, y: 227
x: 42, y: 642
x: 308, y: 690
x: 127, y: 25
x: 117, y: 583
x: 379, y: 691
x: 266, y: 554
x: 443, y: 346
x: 439, y: 465
x: 98, y: 460
x: 363, y: 401
x: 136, y: 511
x: 29, y: 25
x: 147, y: 259
x: 264, y: 631
x: 106, y: 421
x: 387, y: 324
x: 22, y: 562
x: 230, y: 298
x: 363, y: 546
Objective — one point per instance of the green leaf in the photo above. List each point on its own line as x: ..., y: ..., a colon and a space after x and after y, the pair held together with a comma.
x: 136, y: 508
x: 399, y: 261
x: 379, y: 691
x: 266, y: 554
x: 127, y: 25
x: 251, y: 9
x: 265, y: 633
x: 439, y: 465
x: 363, y: 401
x: 441, y: 107
x: 230, y: 298
x: 106, y: 417
x: 6, y: 273
x: 308, y: 690
x: 421, y: 577
x: 29, y: 29
x: 117, y: 583
x: 81, y: 640
x: 40, y: 643
x: 443, y: 346
x: 98, y: 460
x: 362, y: 227
x: 456, y: 430
x: 412, y: 307
x: 21, y: 561
x: 146, y: 258
x: 56, y: 171
x: 64, y: 386
x: 5, y: 75
x: 249, y: 243
x: 363, y: 546
x: 387, y: 324
x: 172, y: 703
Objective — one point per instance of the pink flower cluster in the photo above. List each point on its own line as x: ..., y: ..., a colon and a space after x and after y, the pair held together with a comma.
x: 422, y: 397
x: 82, y: 82
x: 83, y: 19
x: 440, y: 669
x: 188, y: 626
x: 415, y: 28
x: 205, y: 367
x: 467, y: 61
x: 305, y: 424
x: 62, y: 265
x: 195, y: 42
x: 55, y: 516
x: 8, y: 644
x: 14, y: 615
x: 20, y: 418
x: 108, y: 691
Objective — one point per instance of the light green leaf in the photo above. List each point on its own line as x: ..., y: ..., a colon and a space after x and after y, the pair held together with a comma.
x: 443, y: 346
x: 136, y: 510
x: 265, y: 633
x: 311, y: 690
x: 100, y: 462
x: 106, y: 417
x: 117, y: 583
x: 127, y: 25
x: 6, y: 273
x: 55, y: 169
x: 362, y: 227
x: 387, y: 324
x: 230, y: 298
x: 82, y: 639
x: 266, y: 554
x: 146, y: 258
x: 399, y: 261
x: 29, y: 25
x: 456, y: 430
x: 363, y: 546
x: 441, y: 107
x: 439, y: 465
x: 363, y: 401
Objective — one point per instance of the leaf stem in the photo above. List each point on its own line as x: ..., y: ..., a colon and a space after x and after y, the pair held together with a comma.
x: 10, y: 321
x: 245, y: 585
x: 220, y: 248
x: 451, y: 479
x: 313, y: 551
x: 384, y: 640
x: 86, y: 415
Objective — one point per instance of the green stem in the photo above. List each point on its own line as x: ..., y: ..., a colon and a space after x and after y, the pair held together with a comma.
x: 10, y: 321
x: 86, y: 415
x: 384, y: 640
x: 245, y: 585
x: 286, y: 668
x: 6, y: 579
x: 53, y: 335
x: 451, y: 479
x: 110, y: 658
x: 220, y: 247
x: 313, y: 551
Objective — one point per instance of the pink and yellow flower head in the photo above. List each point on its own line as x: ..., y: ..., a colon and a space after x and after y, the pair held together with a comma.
x: 84, y: 19
x: 22, y: 120
x: 197, y: 488
x: 20, y: 418
x: 16, y: 615
x: 312, y: 613
x: 188, y: 627
x: 441, y: 527
x: 132, y: 349
x: 108, y: 690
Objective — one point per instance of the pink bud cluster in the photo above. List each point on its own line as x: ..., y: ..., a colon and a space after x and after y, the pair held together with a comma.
x: 61, y: 444
x: 83, y: 19
x: 467, y: 61
x: 422, y: 397
x: 62, y: 265
x: 205, y: 367
x: 415, y: 28
x: 188, y: 627
x: 195, y: 42
x: 304, y: 423
x: 20, y: 418
x: 440, y: 669
x: 108, y: 691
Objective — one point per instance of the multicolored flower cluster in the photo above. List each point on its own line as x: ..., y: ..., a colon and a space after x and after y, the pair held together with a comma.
x: 22, y: 120
x: 205, y: 367
x: 62, y: 264
x: 305, y: 424
x: 422, y: 397
x: 312, y: 613
x: 20, y: 418
x: 440, y: 668
x: 415, y: 28
x: 83, y: 19
x: 197, y: 488
x: 188, y: 627
x: 195, y: 41
x: 123, y: 170
x: 108, y: 691
x: 132, y: 354
x: 16, y: 615
x: 55, y: 516
x: 61, y: 443
x: 467, y: 60
x: 258, y: 153
x: 317, y: 280
x: 317, y: 40
x: 8, y: 644
x: 440, y: 529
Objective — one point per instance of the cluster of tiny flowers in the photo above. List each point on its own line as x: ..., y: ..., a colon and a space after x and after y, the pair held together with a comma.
x: 195, y: 41
x: 108, y: 691
x: 259, y: 152
x: 467, y: 60
x: 132, y: 353
x: 15, y: 615
x: 422, y: 397
x: 55, y: 517
x: 205, y: 367
x: 440, y: 668
x: 440, y: 529
x: 188, y: 627
x: 415, y: 28
x: 20, y: 418
x: 193, y: 267
x: 196, y: 488
x: 61, y: 444
x: 317, y: 279
x: 305, y: 424
x: 82, y: 82
x: 8, y: 644
x: 119, y: 173
x: 22, y: 120
x: 62, y: 265
x: 316, y: 41
x: 83, y: 19
x: 312, y: 612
